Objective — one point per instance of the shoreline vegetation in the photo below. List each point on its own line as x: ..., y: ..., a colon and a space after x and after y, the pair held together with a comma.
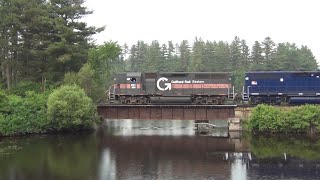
x: 66, y: 108
x: 270, y: 119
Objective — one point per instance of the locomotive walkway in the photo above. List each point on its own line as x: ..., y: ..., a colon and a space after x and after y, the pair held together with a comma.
x: 167, y: 112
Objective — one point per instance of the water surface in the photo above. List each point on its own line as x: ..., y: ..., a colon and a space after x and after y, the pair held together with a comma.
x: 132, y: 149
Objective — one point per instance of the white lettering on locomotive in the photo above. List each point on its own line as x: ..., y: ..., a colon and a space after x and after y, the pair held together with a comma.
x: 167, y: 85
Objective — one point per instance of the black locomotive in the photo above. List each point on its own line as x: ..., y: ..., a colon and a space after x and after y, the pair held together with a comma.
x: 172, y: 88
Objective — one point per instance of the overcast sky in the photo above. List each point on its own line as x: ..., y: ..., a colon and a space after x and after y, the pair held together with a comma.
x: 127, y: 21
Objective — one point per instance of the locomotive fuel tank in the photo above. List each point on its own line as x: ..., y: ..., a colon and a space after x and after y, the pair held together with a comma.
x: 304, y: 100
x: 170, y: 100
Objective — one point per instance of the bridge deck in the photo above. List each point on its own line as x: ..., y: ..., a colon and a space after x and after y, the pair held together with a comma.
x: 168, y: 112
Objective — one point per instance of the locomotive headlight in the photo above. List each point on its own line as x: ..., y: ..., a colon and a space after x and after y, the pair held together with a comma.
x: 246, y: 78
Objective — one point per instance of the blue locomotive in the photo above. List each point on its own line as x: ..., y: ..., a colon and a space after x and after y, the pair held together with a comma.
x: 276, y: 87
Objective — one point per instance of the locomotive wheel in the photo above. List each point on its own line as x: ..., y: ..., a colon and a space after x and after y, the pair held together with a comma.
x: 204, y: 101
x: 138, y: 101
x: 215, y: 101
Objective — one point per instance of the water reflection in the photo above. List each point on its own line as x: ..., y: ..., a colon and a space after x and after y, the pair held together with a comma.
x: 131, y: 127
x: 158, y: 150
x: 107, y: 169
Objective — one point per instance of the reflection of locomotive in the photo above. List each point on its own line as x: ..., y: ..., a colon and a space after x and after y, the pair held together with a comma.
x: 275, y: 87
x: 171, y: 87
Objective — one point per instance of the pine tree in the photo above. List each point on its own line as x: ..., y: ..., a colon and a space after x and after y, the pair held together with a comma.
x: 256, y: 57
x: 184, y: 57
x: 245, y: 56
x: 154, y: 62
x: 235, y: 54
x: 222, y: 54
x: 209, y: 59
x: 268, y: 51
x: 197, y: 56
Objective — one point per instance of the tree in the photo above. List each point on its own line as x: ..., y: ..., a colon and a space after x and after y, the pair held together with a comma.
x: 222, y: 54
x: 209, y: 59
x: 104, y: 60
x: 184, y: 57
x: 42, y: 39
x: 138, y: 56
x: 70, y: 36
x: 245, y: 55
x: 197, y: 56
x: 164, y: 58
x: 172, y: 58
x: 256, y: 57
x: 268, y: 51
x: 235, y: 54
x: 154, y: 61
x: 307, y: 59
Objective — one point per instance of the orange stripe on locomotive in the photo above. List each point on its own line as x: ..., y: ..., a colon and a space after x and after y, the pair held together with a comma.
x: 200, y: 86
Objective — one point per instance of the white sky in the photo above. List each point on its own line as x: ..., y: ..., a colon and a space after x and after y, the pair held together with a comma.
x: 127, y: 21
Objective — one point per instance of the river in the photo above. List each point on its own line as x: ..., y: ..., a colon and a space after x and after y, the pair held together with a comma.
x: 132, y: 149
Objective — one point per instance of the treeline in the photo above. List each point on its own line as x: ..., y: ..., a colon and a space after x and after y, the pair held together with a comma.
x: 218, y: 56
x: 41, y: 40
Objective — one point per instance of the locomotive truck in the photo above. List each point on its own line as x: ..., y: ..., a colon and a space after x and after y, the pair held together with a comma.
x: 172, y: 88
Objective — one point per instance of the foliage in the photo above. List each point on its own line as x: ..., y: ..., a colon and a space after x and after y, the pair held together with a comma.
x: 23, y: 86
x: 304, y: 118
x: 104, y: 60
x: 96, y: 76
x: 24, y: 115
x: 4, y: 108
x: 42, y: 40
x: 265, y: 118
x: 237, y: 80
x: 69, y: 108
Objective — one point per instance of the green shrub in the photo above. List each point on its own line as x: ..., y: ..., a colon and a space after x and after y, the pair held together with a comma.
x: 26, y: 115
x: 4, y: 108
x: 69, y: 108
x: 304, y: 118
x: 267, y: 118
x: 23, y: 86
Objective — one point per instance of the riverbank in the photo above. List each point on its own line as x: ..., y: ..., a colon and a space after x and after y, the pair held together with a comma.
x: 272, y: 119
x: 67, y: 108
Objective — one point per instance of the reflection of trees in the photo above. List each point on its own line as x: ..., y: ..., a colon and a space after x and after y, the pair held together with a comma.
x: 51, y: 157
x: 275, y: 147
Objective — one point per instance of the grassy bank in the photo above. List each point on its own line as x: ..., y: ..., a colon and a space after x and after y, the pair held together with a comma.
x: 67, y: 108
x: 271, y: 119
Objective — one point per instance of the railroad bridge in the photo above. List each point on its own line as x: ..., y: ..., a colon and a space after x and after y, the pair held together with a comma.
x: 167, y: 112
